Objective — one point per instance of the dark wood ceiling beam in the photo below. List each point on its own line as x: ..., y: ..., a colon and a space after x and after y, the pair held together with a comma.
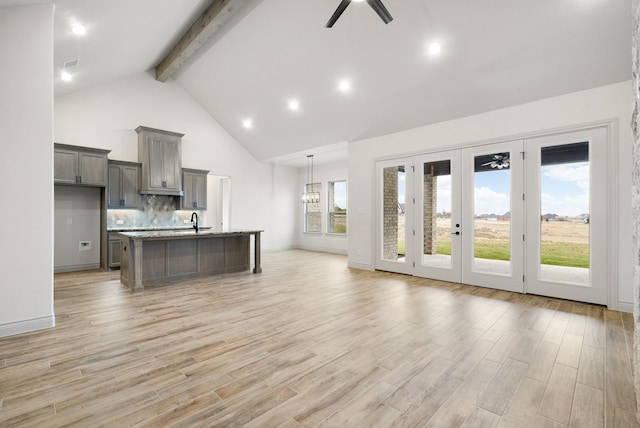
x: 209, y: 23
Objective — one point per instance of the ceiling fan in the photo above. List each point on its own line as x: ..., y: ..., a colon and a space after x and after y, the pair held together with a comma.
x: 376, y: 5
x: 499, y: 161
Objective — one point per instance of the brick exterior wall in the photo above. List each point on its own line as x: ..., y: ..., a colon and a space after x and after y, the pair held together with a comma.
x: 430, y: 208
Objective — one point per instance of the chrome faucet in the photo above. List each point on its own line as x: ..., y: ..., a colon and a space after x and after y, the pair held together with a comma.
x: 195, y: 225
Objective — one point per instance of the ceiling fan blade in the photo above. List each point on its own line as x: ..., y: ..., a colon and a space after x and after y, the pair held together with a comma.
x: 382, y: 11
x: 341, y: 7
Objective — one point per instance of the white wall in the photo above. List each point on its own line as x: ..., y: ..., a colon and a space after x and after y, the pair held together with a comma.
x: 608, y: 102
x: 26, y: 124
x: 106, y: 116
x: 333, y: 243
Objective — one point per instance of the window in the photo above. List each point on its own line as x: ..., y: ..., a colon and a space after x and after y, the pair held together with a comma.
x: 312, y: 213
x: 337, y: 206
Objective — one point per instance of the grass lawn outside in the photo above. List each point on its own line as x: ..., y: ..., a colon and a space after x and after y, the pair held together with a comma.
x: 552, y: 253
x: 563, y: 243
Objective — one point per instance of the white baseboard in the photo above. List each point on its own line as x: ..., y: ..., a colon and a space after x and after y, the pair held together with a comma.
x: 274, y: 249
x: 361, y: 266
x: 624, y: 307
x: 26, y: 326
x: 321, y: 249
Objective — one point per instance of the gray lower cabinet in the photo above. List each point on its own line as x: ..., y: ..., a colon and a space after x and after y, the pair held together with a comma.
x: 114, y: 251
x: 124, y: 185
x: 195, y: 189
x: 79, y: 165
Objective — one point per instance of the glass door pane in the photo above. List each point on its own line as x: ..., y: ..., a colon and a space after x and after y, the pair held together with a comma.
x: 492, y: 213
x: 564, y: 220
x: 394, y: 214
x: 436, y: 214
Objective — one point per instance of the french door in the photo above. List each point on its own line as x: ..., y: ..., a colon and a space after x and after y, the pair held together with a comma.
x: 438, y: 216
x: 492, y: 214
x: 567, y: 247
x: 520, y: 216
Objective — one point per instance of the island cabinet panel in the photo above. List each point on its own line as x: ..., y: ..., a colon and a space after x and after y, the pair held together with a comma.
x: 211, y: 256
x: 76, y: 165
x: 183, y: 257
x: 236, y: 254
x: 151, y: 258
x: 154, y: 260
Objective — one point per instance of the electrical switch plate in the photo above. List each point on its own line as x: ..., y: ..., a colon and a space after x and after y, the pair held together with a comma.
x: 119, y: 221
x: 187, y: 221
x: 69, y: 220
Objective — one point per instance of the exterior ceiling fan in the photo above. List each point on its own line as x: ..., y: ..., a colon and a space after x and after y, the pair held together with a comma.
x: 499, y: 161
x: 376, y: 5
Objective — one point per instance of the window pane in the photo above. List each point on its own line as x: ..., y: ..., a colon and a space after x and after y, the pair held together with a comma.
x: 337, y: 206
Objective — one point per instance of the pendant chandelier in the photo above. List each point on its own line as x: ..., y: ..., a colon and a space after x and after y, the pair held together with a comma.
x: 310, y: 196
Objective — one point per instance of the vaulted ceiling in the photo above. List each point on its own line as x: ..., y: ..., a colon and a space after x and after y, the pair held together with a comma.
x: 495, y: 54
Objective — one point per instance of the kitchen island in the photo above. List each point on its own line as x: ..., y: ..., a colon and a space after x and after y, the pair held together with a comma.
x: 164, y: 256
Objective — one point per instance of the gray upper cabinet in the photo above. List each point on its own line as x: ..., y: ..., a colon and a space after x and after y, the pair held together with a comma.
x: 124, y: 185
x: 79, y: 165
x: 160, y: 153
x: 195, y: 189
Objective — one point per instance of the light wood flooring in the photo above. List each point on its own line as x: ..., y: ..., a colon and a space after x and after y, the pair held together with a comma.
x: 310, y: 342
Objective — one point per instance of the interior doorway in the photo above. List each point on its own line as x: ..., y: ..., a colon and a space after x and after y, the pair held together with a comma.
x: 218, y: 214
x: 525, y: 215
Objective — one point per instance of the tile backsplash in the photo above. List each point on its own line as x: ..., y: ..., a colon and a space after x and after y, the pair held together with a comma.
x: 155, y: 211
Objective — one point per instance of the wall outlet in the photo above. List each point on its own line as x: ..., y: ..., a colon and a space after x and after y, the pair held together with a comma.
x: 187, y: 221
x: 85, y: 246
x: 119, y: 221
x: 69, y: 220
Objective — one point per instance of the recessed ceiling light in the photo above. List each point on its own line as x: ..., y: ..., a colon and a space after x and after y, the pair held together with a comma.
x: 79, y: 30
x: 294, y: 105
x: 344, y: 86
x: 247, y: 123
x: 65, y: 76
x: 435, y: 48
